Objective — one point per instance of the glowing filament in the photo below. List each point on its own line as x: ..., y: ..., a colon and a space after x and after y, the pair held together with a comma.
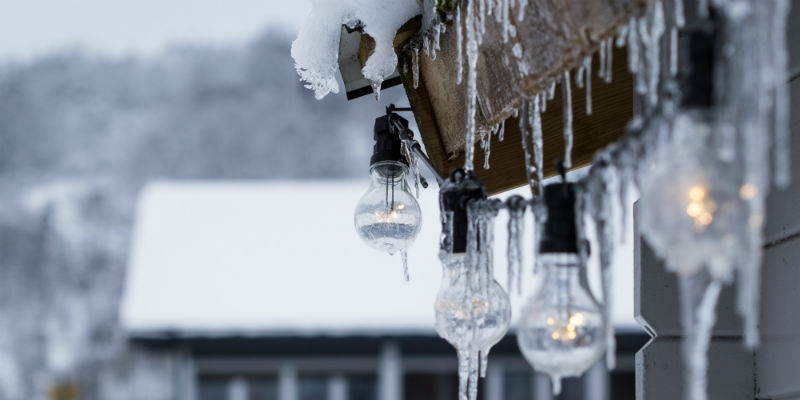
x: 701, y: 206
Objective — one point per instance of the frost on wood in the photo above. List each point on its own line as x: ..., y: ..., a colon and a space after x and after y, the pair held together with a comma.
x: 316, y: 49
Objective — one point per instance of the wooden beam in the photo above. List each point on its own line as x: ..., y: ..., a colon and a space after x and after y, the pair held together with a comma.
x: 555, y: 35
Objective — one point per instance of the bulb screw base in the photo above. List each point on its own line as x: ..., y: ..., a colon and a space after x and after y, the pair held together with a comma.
x: 560, y: 232
x: 388, y: 145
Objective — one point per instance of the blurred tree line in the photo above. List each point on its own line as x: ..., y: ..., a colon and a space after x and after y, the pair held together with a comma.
x: 81, y: 134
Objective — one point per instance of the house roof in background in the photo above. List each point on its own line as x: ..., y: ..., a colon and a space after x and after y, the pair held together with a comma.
x: 282, y: 258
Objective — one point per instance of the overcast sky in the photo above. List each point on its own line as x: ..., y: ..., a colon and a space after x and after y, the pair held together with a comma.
x: 30, y: 28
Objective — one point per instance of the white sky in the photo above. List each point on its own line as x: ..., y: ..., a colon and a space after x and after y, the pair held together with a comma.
x: 31, y: 28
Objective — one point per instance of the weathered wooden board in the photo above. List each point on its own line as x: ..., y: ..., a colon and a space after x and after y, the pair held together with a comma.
x: 555, y: 35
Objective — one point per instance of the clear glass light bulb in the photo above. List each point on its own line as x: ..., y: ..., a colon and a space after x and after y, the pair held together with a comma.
x: 470, y: 322
x: 561, y: 330
x: 388, y: 217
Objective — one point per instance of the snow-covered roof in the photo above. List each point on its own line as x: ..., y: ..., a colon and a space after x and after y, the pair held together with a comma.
x: 278, y: 258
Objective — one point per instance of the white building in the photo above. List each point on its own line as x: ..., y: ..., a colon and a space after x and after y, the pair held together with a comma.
x: 220, y: 279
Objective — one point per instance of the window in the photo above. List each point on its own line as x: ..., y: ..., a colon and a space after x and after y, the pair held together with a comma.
x: 362, y: 387
x: 518, y: 384
x: 312, y: 387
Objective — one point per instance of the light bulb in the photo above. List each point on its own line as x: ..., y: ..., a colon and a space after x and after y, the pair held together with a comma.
x: 388, y: 217
x: 470, y: 322
x: 561, y: 331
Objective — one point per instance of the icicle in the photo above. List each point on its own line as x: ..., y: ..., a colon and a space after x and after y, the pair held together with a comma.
x: 538, y: 154
x: 654, y: 56
x: 543, y: 101
x: 673, y: 51
x: 609, y: 59
x: 487, y: 149
x: 633, y: 47
x: 376, y: 88
x: 698, y: 302
x: 622, y: 34
x: 481, y: 18
x: 404, y: 258
x: 415, y: 67
x: 484, y: 356
x: 601, y: 73
x: 472, y: 91
x: 517, y: 50
x: 459, y: 45
x: 556, y: 381
x: 521, y: 10
x: 463, y: 373
x: 473, y: 375
x: 567, y: 96
x: 506, y: 20
x: 426, y: 45
x: 782, y: 140
x: 516, y: 227
x: 603, y: 213
x: 579, y: 75
x: 524, y: 132
x: 680, y: 20
x: 435, y: 45
x: 587, y: 64
x: 501, y: 134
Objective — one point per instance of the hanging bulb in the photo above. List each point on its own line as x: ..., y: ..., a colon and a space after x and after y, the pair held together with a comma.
x: 473, y: 312
x: 561, y: 331
x: 388, y: 217
x: 467, y: 315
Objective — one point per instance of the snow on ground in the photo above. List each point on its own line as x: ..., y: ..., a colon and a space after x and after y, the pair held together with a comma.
x: 272, y: 258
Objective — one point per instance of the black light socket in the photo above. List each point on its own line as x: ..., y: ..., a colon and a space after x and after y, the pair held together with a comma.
x: 455, y: 195
x: 560, y: 232
x: 698, y: 49
x: 388, y: 146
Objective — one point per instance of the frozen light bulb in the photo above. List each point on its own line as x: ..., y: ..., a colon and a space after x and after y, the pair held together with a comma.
x: 561, y: 331
x: 388, y: 217
x: 470, y: 314
x: 473, y: 313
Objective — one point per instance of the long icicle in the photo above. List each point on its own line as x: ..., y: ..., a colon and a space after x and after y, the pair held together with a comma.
x: 472, y: 86
x: 538, y: 151
x: 587, y: 65
x: 609, y: 59
x: 524, y: 130
x: 459, y: 47
x: 567, y: 96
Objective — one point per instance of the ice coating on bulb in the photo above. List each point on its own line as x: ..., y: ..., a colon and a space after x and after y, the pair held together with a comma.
x: 316, y: 48
x: 561, y: 330
x: 388, y: 217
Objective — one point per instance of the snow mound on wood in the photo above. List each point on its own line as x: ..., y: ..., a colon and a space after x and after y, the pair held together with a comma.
x: 316, y: 49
